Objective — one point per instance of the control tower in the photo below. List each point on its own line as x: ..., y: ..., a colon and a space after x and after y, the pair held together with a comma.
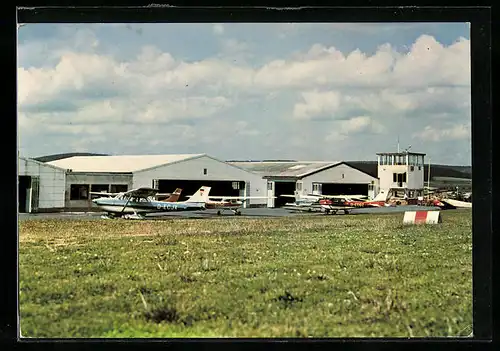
x: 401, y: 173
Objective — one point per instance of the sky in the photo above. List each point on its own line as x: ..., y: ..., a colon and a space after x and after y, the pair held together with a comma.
x: 302, y: 91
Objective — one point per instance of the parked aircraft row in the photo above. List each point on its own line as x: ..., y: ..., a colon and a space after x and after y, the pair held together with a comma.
x: 137, y: 203
x: 331, y: 204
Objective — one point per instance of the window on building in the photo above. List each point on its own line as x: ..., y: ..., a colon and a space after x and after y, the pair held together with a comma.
x: 269, y: 185
x: 79, y: 192
x: 98, y: 188
x: 394, y: 177
x: 317, y: 187
x: 298, y: 186
x: 404, y: 177
x: 413, y: 160
x: 204, y: 171
x: 412, y: 168
x: 118, y: 188
x: 236, y: 185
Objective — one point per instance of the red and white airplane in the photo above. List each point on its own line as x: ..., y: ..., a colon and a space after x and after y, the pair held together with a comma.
x: 330, y: 204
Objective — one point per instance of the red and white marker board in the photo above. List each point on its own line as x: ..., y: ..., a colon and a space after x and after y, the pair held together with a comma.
x: 422, y: 217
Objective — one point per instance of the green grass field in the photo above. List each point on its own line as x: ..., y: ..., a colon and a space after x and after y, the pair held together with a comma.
x: 326, y: 276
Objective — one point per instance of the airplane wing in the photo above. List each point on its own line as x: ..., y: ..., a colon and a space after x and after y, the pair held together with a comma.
x: 240, y: 197
x: 141, y: 192
x: 343, y: 196
x: 102, y: 193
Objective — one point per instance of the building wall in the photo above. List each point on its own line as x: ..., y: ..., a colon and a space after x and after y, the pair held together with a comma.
x: 89, y: 178
x: 194, y: 170
x: 385, y: 175
x: 414, y: 179
x: 342, y: 174
x: 52, y: 182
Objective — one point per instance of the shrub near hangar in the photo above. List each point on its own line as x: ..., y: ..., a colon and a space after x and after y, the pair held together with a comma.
x: 87, y: 174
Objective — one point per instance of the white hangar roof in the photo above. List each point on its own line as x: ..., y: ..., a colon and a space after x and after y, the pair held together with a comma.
x: 41, y: 164
x: 119, y: 164
x: 295, y: 169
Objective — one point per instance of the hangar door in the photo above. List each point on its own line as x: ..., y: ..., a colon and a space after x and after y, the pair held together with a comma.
x: 24, y: 185
x: 189, y: 187
x: 283, y: 188
x: 28, y: 192
x: 344, y: 189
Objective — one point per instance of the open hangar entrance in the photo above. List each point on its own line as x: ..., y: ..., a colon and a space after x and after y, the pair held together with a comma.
x: 283, y: 188
x: 189, y: 187
x: 28, y: 194
x: 344, y: 189
x: 24, y: 190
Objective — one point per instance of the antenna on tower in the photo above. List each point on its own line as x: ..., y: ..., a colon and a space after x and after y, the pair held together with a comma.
x: 398, y: 143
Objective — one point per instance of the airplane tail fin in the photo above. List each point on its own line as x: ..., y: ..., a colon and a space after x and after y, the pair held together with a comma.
x: 201, y: 195
x: 175, y: 196
x: 381, y: 196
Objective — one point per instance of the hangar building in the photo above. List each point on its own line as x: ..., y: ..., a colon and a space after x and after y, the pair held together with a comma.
x: 87, y: 174
x: 41, y: 186
x: 311, y: 177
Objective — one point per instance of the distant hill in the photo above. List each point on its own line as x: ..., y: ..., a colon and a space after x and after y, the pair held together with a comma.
x: 369, y: 167
x: 437, y: 170
x: 50, y: 158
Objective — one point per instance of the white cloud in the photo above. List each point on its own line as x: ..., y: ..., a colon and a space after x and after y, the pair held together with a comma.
x: 353, y: 126
x: 218, y: 29
x: 356, y: 124
x: 357, y: 93
x: 454, y: 132
x: 243, y: 128
x: 427, y: 63
x: 323, y: 104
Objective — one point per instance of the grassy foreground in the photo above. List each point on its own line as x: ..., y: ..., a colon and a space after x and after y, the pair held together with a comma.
x: 327, y: 276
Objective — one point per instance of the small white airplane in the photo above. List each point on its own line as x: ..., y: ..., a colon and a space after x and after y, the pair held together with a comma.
x: 137, y: 203
x: 171, y: 197
x: 230, y: 203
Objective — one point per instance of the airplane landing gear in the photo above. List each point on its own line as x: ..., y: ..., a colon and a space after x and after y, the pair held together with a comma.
x: 219, y: 213
x: 133, y: 216
x: 108, y: 216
